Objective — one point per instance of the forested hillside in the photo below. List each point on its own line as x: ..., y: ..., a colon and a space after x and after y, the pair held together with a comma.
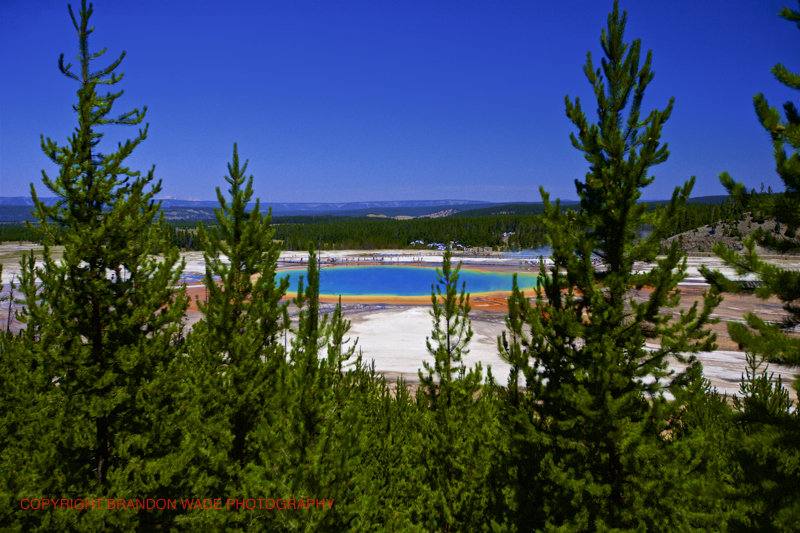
x: 116, y: 416
x: 362, y: 233
x: 484, y: 230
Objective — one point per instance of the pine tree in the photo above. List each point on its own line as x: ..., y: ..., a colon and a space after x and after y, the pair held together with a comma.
x: 514, y: 347
x: 102, y: 326
x: 15, y: 400
x: 457, y: 418
x: 767, y: 448
x: 16, y: 432
x: 703, y: 438
x: 320, y: 442
x: 393, y: 427
x: 340, y: 355
x: 766, y: 452
x: 515, y: 475
x: 599, y: 405
x: 758, y: 336
x: 235, y: 351
x: 452, y: 332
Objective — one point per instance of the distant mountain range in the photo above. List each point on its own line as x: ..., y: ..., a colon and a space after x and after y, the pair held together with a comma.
x: 311, y: 206
x: 17, y: 208
x: 318, y: 207
x: 11, y: 208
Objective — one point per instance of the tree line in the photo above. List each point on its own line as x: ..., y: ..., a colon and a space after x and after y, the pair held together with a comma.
x: 105, y: 396
x: 362, y: 233
x: 368, y: 234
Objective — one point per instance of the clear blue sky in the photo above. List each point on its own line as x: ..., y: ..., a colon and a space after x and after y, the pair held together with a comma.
x: 392, y: 100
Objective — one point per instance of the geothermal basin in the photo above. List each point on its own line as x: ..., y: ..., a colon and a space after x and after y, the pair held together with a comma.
x: 390, y: 329
x: 404, y: 281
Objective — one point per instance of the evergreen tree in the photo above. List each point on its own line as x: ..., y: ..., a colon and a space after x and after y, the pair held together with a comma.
x: 321, y: 445
x: 702, y: 437
x: 599, y: 405
x: 457, y: 419
x: 452, y: 332
x: 102, y: 324
x: 758, y: 336
x: 15, y: 400
x: 515, y: 475
x: 767, y: 453
x: 340, y: 356
x: 514, y: 347
x: 235, y: 350
x: 394, y: 425
x: 767, y: 450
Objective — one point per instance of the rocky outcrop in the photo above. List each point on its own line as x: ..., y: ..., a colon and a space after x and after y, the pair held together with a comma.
x: 731, y: 235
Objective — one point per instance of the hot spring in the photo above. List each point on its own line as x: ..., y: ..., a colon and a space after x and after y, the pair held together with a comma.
x: 407, y: 281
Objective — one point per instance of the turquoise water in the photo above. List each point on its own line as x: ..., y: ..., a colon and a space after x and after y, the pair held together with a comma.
x: 402, y: 281
x: 533, y: 253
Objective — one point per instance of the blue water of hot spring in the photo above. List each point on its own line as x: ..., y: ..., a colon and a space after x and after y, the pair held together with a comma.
x: 402, y: 280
